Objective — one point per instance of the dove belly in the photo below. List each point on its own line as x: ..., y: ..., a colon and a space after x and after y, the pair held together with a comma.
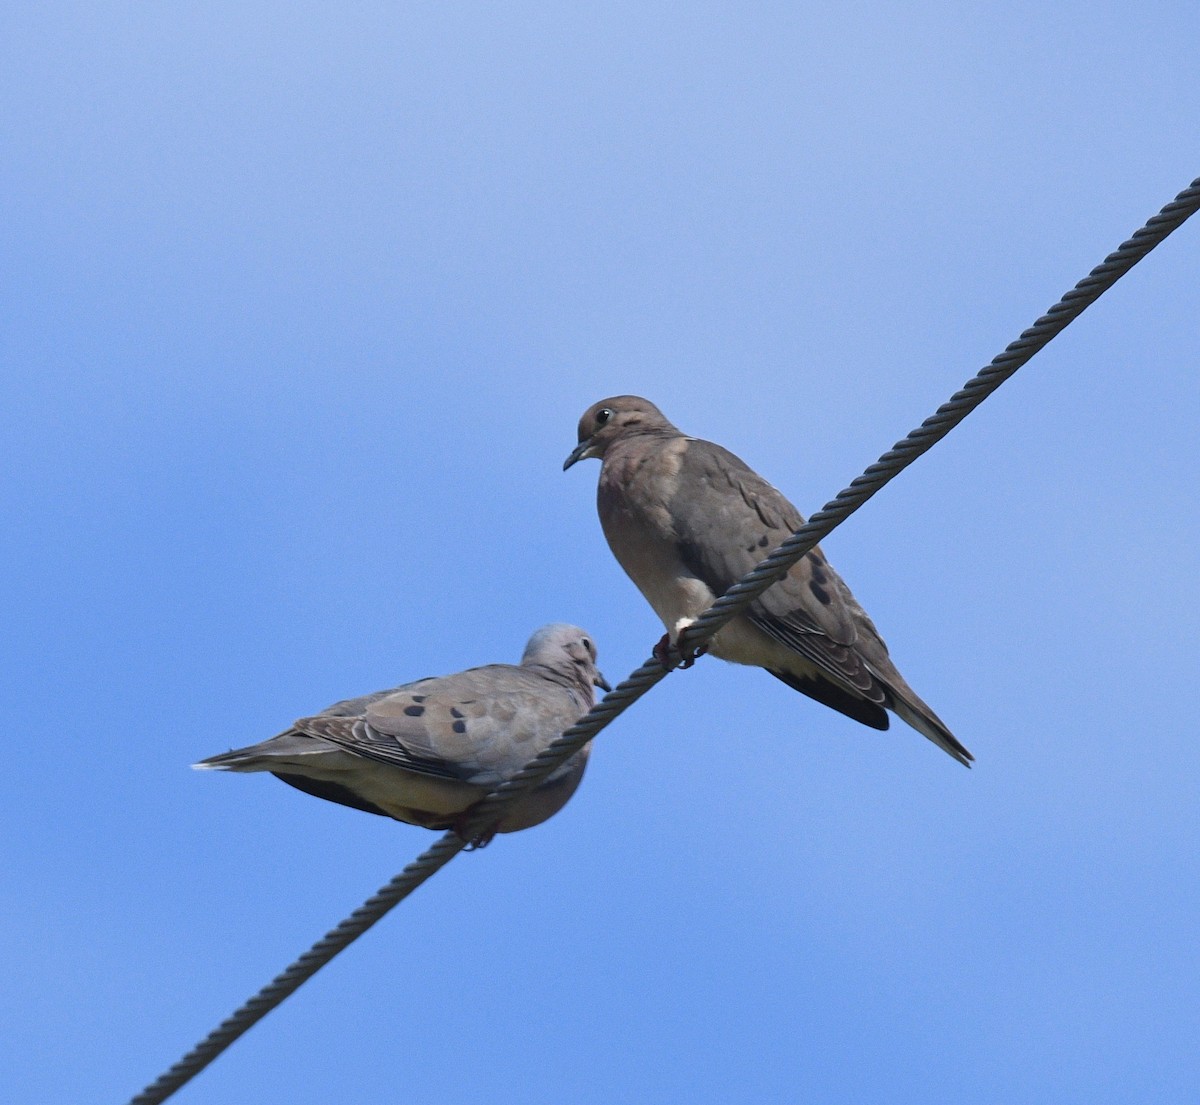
x: 404, y: 795
x: 674, y: 593
x: 679, y: 597
x: 545, y: 800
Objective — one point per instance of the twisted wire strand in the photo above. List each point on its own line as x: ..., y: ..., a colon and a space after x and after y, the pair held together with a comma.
x: 489, y: 811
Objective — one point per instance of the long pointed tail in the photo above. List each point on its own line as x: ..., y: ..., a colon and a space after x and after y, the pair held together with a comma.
x: 909, y: 707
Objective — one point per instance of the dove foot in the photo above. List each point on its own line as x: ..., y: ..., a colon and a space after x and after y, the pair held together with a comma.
x: 664, y: 648
x: 474, y: 843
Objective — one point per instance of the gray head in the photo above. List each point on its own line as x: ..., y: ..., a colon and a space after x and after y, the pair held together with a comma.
x: 566, y: 649
x: 612, y: 419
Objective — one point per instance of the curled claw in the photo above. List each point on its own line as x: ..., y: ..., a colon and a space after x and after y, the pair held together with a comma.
x: 474, y: 843
x: 664, y: 649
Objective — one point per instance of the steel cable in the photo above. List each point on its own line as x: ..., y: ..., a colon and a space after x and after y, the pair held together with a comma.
x: 836, y: 511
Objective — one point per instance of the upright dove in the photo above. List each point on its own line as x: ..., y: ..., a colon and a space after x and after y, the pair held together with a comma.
x: 687, y: 519
x: 427, y: 752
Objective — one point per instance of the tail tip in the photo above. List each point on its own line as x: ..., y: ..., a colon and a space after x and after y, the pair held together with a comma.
x: 209, y: 765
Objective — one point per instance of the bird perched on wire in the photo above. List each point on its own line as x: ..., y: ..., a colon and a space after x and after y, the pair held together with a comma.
x: 687, y: 519
x: 427, y: 752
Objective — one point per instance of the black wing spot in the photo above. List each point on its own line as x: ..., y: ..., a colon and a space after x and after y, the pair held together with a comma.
x: 819, y: 592
x: 414, y: 711
x: 419, y: 697
x: 459, y: 726
x: 456, y: 712
x: 763, y: 541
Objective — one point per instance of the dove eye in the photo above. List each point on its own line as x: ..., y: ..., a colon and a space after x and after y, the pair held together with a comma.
x: 603, y: 415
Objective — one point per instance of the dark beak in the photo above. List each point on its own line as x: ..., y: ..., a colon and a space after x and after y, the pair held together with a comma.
x: 601, y: 682
x: 576, y: 454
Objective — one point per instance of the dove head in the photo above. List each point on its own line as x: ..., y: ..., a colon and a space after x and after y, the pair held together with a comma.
x: 613, y: 419
x: 567, y: 650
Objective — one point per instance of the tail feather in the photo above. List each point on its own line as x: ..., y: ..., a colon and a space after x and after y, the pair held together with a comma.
x: 269, y: 755
x: 908, y: 707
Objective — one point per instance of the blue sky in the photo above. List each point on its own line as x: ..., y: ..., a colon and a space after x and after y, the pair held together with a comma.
x: 301, y: 305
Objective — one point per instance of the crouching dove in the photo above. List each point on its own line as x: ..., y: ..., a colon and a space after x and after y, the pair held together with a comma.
x: 427, y: 752
x: 687, y: 519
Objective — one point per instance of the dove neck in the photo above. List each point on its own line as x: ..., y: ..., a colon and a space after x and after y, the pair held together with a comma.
x: 563, y: 679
